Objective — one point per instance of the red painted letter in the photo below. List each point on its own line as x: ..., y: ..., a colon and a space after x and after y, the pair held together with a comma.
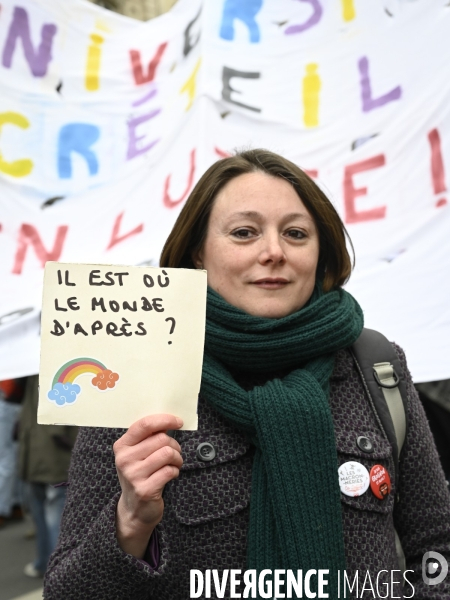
x: 221, y: 153
x: 437, y: 166
x: 116, y: 238
x: 351, y: 193
x: 28, y: 235
x: 136, y: 63
x: 167, y: 200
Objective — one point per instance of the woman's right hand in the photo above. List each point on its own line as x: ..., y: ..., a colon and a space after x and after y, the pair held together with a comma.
x: 146, y: 459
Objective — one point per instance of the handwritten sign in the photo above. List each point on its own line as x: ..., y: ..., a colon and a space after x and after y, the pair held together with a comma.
x: 120, y: 342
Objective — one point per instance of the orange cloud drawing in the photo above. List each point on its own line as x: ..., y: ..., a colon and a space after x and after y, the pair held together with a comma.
x: 105, y: 379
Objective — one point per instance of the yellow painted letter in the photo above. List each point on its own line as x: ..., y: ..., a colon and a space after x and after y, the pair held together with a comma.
x: 190, y: 85
x: 348, y: 10
x: 93, y: 62
x: 17, y: 168
x: 311, y: 92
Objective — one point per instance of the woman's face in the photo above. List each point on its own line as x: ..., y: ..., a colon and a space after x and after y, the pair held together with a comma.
x: 262, y: 247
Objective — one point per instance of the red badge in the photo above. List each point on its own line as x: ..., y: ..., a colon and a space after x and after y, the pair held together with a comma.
x: 380, y: 482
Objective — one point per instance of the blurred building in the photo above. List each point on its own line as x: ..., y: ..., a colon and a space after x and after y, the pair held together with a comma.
x: 143, y: 10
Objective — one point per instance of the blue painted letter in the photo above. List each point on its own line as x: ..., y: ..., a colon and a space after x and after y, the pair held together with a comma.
x: 245, y: 10
x: 77, y: 137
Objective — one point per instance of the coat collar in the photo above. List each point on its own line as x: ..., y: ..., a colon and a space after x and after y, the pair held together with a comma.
x: 343, y: 365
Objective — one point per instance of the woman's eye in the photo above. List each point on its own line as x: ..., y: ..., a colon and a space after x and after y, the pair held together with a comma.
x: 242, y: 234
x: 295, y: 234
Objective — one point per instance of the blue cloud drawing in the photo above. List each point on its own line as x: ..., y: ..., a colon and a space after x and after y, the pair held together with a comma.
x: 64, y: 393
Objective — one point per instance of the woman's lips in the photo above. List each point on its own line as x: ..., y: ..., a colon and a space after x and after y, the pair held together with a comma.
x: 271, y: 284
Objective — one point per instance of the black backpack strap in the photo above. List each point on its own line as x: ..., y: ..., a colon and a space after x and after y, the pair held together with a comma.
x: 384, y: 382
x: 383, y: 379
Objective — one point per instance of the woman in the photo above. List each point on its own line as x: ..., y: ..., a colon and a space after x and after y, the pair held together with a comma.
x: 281, y: 407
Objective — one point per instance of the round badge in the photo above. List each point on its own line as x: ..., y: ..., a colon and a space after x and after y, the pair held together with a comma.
x: 380, y: 482
x: 353, y: 478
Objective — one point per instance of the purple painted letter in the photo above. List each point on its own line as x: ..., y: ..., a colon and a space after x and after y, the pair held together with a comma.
x: 313, y: 19
x: 133, y: 139
x: 368, y: 102
x: 20, y: 28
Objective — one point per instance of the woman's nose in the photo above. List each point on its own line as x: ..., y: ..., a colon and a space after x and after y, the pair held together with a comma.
x: 272, y: 250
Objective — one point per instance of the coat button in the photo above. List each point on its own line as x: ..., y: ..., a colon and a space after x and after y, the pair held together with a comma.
x: 206, y: 452
x: 364, y: 444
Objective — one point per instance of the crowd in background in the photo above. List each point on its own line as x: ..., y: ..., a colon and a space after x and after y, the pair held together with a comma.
x: 34, y: 463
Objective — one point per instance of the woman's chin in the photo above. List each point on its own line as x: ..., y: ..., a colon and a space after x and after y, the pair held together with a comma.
x: 273, y: 310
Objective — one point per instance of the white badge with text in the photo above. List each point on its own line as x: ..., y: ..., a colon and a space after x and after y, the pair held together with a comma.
x: 354, y: 478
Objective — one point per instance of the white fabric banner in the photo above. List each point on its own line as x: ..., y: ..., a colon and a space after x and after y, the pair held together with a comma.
x: 106, y: 123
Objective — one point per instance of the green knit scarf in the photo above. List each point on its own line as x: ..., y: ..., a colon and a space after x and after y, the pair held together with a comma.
x: 295, y: 508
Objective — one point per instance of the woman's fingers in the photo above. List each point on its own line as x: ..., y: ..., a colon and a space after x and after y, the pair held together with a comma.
x: 146, y: 460
x: 154, y: 443
x: 151, y: 489
x: 164, y: 456
x: 137, y: 470
x: 146, y: 447
x: 147, y: 426
x: 145, y: 464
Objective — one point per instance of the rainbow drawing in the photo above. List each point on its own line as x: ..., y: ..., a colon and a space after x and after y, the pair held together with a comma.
x: 65, y: 391
x: 72, y: 369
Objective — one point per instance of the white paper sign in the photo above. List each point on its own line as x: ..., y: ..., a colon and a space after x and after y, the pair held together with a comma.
x: 119, y: 343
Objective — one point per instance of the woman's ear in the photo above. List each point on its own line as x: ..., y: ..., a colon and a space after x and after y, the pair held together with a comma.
x: 197, y: 259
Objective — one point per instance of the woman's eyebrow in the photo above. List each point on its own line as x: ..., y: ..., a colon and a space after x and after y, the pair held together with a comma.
x: 253, y: 214
x: 297, y: 215
x: 250, y: 214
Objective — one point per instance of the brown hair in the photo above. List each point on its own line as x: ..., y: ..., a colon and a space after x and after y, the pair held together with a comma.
x: 189, y: 232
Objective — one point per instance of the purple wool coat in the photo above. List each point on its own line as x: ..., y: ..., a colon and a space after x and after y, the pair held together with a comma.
x: 207, y: 508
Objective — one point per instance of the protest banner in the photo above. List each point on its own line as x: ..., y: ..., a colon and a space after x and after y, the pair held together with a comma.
x: 119, y: 343
x: 106, y: 123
